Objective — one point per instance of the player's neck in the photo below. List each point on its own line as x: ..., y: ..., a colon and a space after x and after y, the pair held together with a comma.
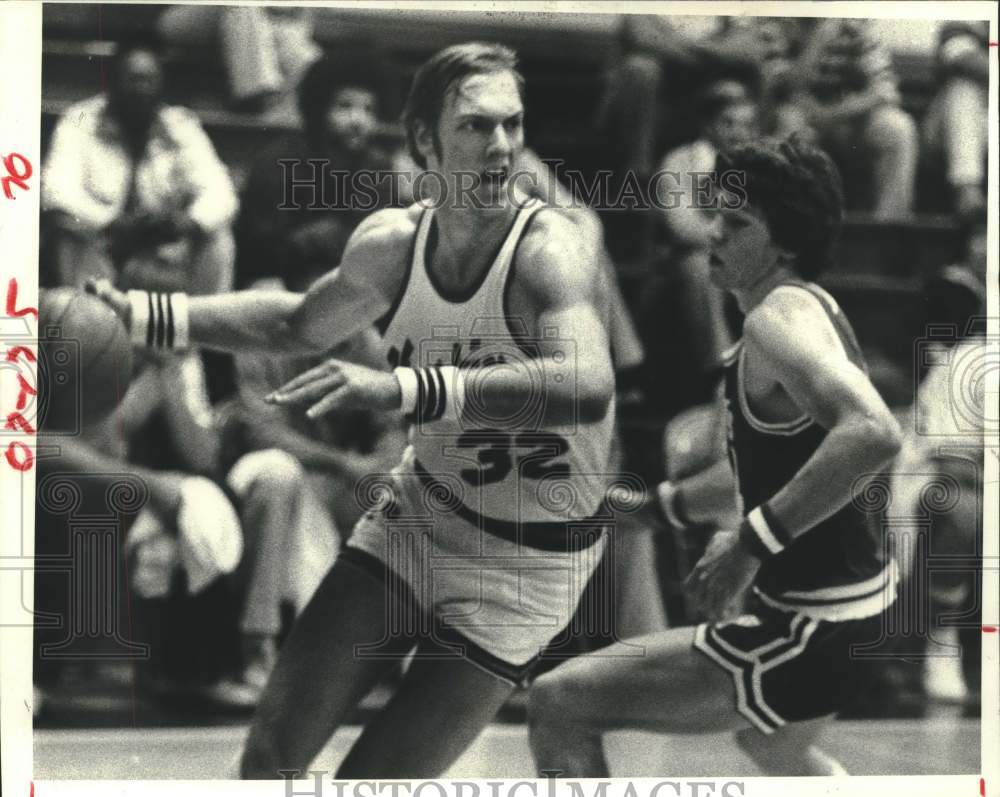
x: 463, y: 233
x: 752, y: 295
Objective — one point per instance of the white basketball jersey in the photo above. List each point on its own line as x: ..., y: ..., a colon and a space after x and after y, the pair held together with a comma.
x: 512, y: 468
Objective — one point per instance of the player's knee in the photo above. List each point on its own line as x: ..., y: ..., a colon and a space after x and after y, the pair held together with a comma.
x: 275, y: 470
x: 283, y: 469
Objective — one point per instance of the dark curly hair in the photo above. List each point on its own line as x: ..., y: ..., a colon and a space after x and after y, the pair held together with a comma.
x: 798, y: 189
x: 328, y: 75
x: 433, y: 80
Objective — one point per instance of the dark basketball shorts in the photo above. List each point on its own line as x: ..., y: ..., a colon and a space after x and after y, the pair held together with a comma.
x: 788, y: 667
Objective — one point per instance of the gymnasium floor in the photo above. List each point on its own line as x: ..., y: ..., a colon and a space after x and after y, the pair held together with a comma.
x: 938, y: 746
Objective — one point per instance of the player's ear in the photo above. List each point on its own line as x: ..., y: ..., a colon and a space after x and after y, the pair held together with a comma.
x: 424, y: 138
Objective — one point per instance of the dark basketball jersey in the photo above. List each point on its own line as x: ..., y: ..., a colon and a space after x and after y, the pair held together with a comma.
x: 837, y: 569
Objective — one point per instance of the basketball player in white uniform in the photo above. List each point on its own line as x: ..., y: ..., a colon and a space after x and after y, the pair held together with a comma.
x: 474, y: 551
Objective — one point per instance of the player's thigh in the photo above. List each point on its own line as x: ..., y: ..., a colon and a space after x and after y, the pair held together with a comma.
x: 657, y: 682
x: 438, y: 711
x: 337, y: 648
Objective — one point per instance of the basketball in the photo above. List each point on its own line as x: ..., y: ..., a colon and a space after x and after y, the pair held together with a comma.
x: 85, y: 360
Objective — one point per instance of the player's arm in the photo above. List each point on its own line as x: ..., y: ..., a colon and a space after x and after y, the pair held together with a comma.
x: 336, y: 307
x: 803, y: 354
x: 568, y: 370
x: 556, y: 295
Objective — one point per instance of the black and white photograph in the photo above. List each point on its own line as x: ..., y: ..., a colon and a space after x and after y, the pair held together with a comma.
x: 552, y: 398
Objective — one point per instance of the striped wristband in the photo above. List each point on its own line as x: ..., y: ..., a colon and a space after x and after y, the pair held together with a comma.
x: 430, y: 394
x: 160, y: 320
x: 761, y: 533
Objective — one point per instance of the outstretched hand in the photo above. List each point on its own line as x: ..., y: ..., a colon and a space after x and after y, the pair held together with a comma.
x: 111, y: 296
x: 719, y: 582
x: 339, y: 385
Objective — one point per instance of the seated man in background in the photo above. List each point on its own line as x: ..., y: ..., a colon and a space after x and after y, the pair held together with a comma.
x: 133, y: 189
x: 955, y: 128
x: 255, y: 519
x: 846, y: 90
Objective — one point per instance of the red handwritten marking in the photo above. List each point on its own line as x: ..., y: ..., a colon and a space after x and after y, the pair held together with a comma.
x: 12, y: 310
x: 18, y: 455
x: 993, y: 44
x: 23, y: 464
x: 17, y: 351
x: 989, y: 629
x: 32, y: 792
x: 17, y: 421
x: 982, y: 786
x: 16, y: 176
x: 29, y: 355
x: 22, y: 397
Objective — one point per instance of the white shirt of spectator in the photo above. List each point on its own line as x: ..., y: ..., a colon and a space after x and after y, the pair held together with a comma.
x: 88, y: 172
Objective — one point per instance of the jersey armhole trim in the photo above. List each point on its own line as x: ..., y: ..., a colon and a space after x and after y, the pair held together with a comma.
x: 517, y: 335
x: 383, y: 323
x: 829, y: 306
x: 787, y: 428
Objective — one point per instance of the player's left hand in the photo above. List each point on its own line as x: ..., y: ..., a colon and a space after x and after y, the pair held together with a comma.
x: 719, y: 582
x: 340, y: 385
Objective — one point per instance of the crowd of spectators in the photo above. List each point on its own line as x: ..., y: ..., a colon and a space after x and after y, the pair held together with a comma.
x: 135, y: 191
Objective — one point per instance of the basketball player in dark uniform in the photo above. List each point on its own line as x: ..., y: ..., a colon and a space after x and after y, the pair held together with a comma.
x: 802, y: 580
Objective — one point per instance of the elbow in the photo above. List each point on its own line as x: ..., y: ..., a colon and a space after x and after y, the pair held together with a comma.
x: 882, y: 436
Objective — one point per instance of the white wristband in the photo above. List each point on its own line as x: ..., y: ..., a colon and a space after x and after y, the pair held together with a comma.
x: 430, y: 394
x: 159, y: 320
x: 454, y: 379
x: 182, y: 320
x: 140, y: 302
x: 408, y: 387
x: 763, y: 530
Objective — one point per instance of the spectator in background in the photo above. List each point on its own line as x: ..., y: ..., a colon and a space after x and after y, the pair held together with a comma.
x: 290, y: 248
x: 133, y: 189
x: 690, y: 51
x: 255, y: 520
x: 846, y: 91
x: 288, y: 538
x: 265, y: 49
x: 644, y: 110
x: 697, y: 333
x: 339, y: 104
x: 955, y: 128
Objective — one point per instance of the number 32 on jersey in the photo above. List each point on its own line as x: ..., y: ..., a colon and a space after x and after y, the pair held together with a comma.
x: 499, y: 452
